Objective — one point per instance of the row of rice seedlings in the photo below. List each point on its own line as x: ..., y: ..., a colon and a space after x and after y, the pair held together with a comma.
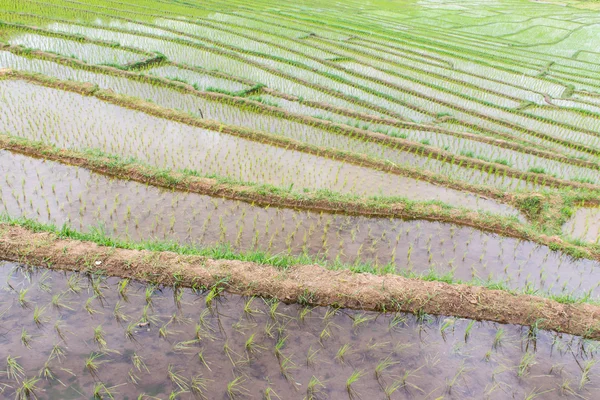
x: 237, y: 347
x: 165, y: 144
x: 54, y: 193
x: 88, y: 52
x: 235, y: 115
x: 464, y: 66
x: 434, y: 68
x: 131, y: 87
x: 87, y: 28
x: 583, y: 119
x: 585, y: 225
x: 194, y: 56
x: 199, y: 81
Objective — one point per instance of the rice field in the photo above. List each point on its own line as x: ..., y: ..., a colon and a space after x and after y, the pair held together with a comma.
x: 455, y: 143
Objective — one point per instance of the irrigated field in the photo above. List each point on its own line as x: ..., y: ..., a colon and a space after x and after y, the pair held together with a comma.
x: 299, y: 200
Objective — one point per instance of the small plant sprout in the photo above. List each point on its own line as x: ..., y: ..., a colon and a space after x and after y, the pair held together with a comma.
x: 525, y: 364
x: 382, y: 366
x: 93, y: 362
x: 26, y: 338
x: 342, y: 353
x: 14, y: 370
x: 39, y: 316
x: 270, y: 394
x: 28, y: 389
x: 102, y: 392
x: 23, y: 302
x: 447, y: 324
x: 203, y: 360
x: 89, y: 306
x: 286, y: 365
x: 314, y: 389
x: 391, y: 388
x: 198, y: 386
x: 236, y: 389
x: 122, y: 287
x: 99, y: 337
x: 585, y: 373
x: 356, y: 375
x: 58, y: 352
x: 468, y: 329
x: 74, y: 283
x: 60, y: 330
x: 279, y: 345
x: 360, y: 320
x: 44, y: 282
x: 451, y: 383
x: 138, y: 363
x: 58, y: 301
x: 249, y: 311
x: 311, y: 357
x: 118, y: 313
x: 177, y: 378
x: 498, y: 338
x: 251, y: 346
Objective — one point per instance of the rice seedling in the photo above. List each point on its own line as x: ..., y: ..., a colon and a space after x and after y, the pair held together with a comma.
x: 92, y: 363
x: 251, y: 346
x: 89, y: 306
x: 382, y: 366
x: 39, y: 316
x: 28, y: 389
x: 585, y: 373
x: 270, y: 394
x: 177, y: 378
x: 122, y: 288
x: 14, y: 370
x: 314, y: 389
x: 60, y: 330
x: 343, y: 352
x: 527, y: 361
x: 498, y: 339
x: 44, y: 282
x: 58, y: 352
x: 23, y: 302
x: 99, y: 337
x: 74, y: 283
x: 203, y: 360
x: 236, y: 389
x: 59, y: 302
x: 353, y: 379
x: 26, y: 338
x: 198, y: 386
x: 101, y: 391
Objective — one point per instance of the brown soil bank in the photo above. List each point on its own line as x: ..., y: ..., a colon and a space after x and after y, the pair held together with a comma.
x: 308, y: 284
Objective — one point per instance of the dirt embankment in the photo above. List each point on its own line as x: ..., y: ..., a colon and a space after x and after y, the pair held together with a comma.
x: 307, y: 284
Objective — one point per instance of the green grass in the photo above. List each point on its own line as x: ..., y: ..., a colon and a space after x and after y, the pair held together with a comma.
x: 98, y: 236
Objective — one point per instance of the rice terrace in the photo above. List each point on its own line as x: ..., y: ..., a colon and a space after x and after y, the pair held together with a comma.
x: 387, y: 199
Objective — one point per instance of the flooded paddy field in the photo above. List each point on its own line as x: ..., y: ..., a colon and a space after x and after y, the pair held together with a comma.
x: 166, y: 144
x: 475, y: 121
x: 72, y: 336
x: 55, y: 193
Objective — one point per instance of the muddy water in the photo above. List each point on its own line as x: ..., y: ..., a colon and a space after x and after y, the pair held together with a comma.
x: 585, y: 224
x: 52, y: 192
x: 71, y: 120
x: 427, y: 356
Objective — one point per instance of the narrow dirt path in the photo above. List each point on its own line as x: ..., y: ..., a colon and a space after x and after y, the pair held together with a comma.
x: 306, y: 284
